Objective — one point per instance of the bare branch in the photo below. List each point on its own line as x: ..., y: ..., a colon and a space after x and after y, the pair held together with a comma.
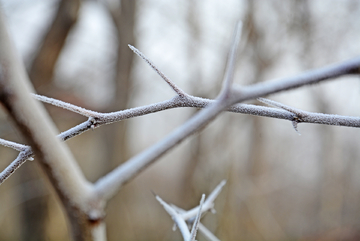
x: 348, y: 67
x: 13, y: 145
x: 196, y: 102
x: 67, y: 106
x: 20, y: 159
x: 316, y: 118
x: 179, y: 91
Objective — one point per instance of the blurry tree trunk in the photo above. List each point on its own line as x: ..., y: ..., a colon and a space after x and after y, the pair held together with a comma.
x: 42, y: 67
x: 35, y: 211
x: 124, y: 21
x: 328, y: 206
x: 262, y: 223
x: 115, y: 136
x: 196, y: 148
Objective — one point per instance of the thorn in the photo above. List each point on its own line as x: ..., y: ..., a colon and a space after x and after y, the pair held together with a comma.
x: 30, y: 159
x: 294, y: 123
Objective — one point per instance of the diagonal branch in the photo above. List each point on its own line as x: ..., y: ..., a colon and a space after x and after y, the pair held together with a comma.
x: 20, y: 159
x: 108, y: 185
x: 349, y: 67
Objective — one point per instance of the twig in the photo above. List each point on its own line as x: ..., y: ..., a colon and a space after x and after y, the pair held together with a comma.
x: 208, y: 204
x: 9, y: 170
x: 230, y: 69
x: 13, y: 145
x: 177, y: 218
x: 179, y: 91
x: 67, y: 106
x: 197, y: 220
x: 282, y: 106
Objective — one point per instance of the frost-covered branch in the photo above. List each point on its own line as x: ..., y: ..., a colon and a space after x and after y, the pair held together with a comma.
x: 108, y: 185
x: 67, y: 106
x: 97, y: 119
x: 177, y: 90
x: 196, y: 223
x: 349, y: 67
x: 20, y: 159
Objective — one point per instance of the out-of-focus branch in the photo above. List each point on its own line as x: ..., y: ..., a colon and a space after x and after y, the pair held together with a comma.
x: 56, y: 160
x: 42, y: 68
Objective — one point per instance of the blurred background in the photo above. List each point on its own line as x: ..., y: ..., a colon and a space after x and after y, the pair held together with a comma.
x: 281, y: 185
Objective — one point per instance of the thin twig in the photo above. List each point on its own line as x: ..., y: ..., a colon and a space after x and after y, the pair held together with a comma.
x: 230, y: 69
x: 67, y: 106
x: 197, y: 220
x: 281, y: 106
x: 208, y: 204
x: 177, y: 218
x: 179, y: 91
x: 9, y: 170
x: 13, y: 145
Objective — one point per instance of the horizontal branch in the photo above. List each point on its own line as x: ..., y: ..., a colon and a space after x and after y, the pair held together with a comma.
x: 349, y: 67
x: 195, y: 102
x: 67, y: 106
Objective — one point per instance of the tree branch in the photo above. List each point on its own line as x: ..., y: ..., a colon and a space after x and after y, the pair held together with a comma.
x: 55, y: 158
x: 286, y: 113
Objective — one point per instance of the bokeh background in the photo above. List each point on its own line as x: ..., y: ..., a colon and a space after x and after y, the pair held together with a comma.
x: 281, y: 185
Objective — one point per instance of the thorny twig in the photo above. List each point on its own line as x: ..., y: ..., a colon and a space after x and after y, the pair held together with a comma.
x: 193, y: 216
